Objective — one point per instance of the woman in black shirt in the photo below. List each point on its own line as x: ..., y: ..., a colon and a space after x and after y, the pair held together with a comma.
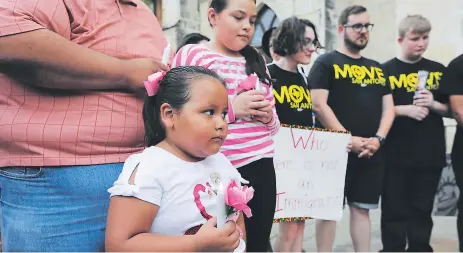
x: 295, y: 40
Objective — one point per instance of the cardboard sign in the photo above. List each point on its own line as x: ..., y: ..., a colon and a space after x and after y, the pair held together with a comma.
x: 310, y: 166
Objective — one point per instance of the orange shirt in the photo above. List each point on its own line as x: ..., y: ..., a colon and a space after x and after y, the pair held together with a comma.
x: 40, y: 127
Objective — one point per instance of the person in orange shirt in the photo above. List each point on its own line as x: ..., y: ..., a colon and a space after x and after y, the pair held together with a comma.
x: 70, y: 72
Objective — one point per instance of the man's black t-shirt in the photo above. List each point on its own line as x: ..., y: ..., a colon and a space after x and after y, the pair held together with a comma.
x: 412, y: 143
x: 452, y: 84
x: 356, y: 89
x: 292, y: 98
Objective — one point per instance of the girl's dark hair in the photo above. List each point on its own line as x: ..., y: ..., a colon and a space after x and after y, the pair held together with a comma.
x: 289, y: 36
x: 192, y: 38
x: 174, y: 89
x: 266, y: 41
x: 255, y: 63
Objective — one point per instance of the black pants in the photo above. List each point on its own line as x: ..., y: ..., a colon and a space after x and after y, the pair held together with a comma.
x: 261, y: 176
x: 458, y: 170
x: 406, y: 208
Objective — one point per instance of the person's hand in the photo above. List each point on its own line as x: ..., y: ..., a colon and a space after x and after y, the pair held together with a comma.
x: 423, y: 98
x: 250, y: 103
x: 349, y: 146
x: 268, y: 110
x: 210, y: 238
x: 138, y: 70
x: 358, y: 144
x: 417, y: 112
x: 370, y: 147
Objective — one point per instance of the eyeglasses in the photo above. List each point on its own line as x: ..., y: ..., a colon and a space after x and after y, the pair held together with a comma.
x: 359, y: 27
x: 309, y: 44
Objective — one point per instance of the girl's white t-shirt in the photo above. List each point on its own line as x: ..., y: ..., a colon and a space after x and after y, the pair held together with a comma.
x: 182, y: 190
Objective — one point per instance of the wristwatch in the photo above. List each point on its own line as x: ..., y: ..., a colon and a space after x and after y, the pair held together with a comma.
x: 381, y: 139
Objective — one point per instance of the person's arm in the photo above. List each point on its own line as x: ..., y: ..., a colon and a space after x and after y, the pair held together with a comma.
x: 323, y: 111
x: 319, y: 83
x: 128, y: 226
x: 456, y: 103
x: 35, y: 49
x: 387, y: 117
x: 412, y: 111
x: 441, y: 109
x: 434, y: 101
x: 45, y: 59
x: 401, y: 110
x: 274, y: 124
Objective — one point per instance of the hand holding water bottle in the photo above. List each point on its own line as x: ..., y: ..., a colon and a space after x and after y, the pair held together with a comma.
x: 423, y: 98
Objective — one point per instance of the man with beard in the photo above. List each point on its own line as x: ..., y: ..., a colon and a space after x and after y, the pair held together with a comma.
x: 413, y: 163
x: 351, y: 93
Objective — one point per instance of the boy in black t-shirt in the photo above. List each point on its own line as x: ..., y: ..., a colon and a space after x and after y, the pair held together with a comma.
x: 452, y: 85
x: 295, y: 40
x: 351, y: 93
x: 415, y: 149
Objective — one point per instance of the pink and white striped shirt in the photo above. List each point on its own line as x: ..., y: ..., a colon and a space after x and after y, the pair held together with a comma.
x: 248, y: 140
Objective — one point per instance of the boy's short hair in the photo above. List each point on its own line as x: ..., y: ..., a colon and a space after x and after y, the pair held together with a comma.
x: 414, y: 23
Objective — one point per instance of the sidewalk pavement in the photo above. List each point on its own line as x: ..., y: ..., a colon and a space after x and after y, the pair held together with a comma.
x: 444, y: 238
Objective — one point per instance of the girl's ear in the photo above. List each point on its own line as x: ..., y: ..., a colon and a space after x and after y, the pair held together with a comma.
x: 212, y: 16
x: 167, y: 116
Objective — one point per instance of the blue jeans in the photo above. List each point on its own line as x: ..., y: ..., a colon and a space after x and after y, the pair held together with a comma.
x: 56, y: 208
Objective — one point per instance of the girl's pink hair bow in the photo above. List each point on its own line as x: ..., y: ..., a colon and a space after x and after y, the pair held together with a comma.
x: 152, y: 85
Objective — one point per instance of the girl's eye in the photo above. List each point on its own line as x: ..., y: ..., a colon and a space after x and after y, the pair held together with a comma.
x: 253, y: 22
x: 238, y: 18
x: 224, y: 114
x: 209, y: 112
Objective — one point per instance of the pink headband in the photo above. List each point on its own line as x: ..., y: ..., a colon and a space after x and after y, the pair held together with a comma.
x: 152, y: 85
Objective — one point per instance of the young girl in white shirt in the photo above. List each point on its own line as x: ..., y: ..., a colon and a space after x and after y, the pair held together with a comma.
x: 165, y: 199
x: 252, y: 117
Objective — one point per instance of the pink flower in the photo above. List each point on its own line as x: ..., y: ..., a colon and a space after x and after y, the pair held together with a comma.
x: 248, y: 84
x: 237, y: 197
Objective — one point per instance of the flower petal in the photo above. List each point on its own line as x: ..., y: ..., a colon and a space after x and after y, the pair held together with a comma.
x: 249, y: 194
x: 247, y: 212
x: 226, y: 196
x: 236, y: 198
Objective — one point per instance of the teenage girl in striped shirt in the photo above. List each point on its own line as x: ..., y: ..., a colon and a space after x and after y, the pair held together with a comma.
x: 252, y: 116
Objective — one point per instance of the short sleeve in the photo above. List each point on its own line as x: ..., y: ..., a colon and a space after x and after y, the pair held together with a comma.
x: 223, y: 162
x: 440, y: 96
x: 20, y: 16
x: 147, y: 182
x: 387, y: 86
x: 182, y: 57
x: 319, y: 75
x: 452, y: 80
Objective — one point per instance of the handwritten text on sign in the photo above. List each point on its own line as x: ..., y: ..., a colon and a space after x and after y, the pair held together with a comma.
x: 310, y: 169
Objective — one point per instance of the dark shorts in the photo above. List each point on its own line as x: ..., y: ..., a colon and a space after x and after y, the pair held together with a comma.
x: 364, y: 182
